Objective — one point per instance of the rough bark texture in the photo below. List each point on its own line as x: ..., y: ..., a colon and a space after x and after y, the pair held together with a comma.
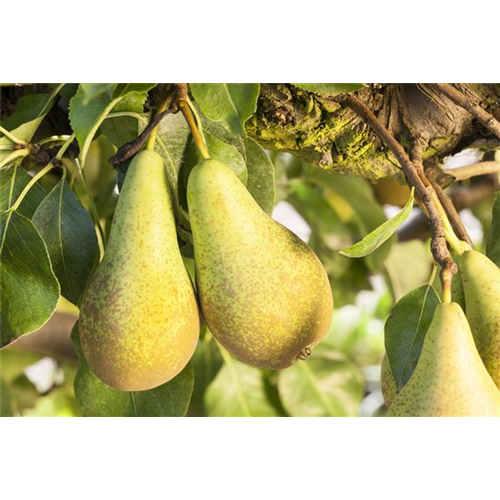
x: 325, y: 133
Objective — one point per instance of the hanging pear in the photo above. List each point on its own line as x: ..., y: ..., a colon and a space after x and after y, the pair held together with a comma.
x: 481, y: 282
x: 139, y: 321
x: 264, y: 294
x: 450, y: 379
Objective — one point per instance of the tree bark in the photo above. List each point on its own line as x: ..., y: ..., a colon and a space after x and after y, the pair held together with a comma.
x: 322, y: 131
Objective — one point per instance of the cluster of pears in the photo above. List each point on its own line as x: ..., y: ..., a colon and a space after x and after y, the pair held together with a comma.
x: 458, y: 371
x: 263, y: 292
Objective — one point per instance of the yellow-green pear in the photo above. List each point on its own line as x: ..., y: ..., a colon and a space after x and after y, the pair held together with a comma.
x: 388, y: 383
x: 264, y: 294
x: 139, y: 321
x: 450, y: 379
x: 481, y: 282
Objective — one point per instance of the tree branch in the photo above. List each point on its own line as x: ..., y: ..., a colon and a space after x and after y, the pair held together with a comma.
x: 460, y: 99
x: 474, y: 170
x: 425, y: 193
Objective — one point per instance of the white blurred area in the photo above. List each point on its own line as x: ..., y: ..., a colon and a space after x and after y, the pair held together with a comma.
x: 44, y: 374
x: 285, y: 214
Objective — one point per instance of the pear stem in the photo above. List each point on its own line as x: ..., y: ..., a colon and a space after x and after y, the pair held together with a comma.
x: 163, y: 106
x: 191, y: 121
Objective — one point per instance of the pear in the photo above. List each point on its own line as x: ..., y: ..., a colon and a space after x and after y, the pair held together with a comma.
x: 450, y: 379
x: 264, y: 294
x: 139, y: 321
x: 388, y: 383
x: 481, y: 283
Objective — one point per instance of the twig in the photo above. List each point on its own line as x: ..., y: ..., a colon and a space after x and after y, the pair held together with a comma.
x: 452, y: 213
x: 460, y: 99
x: 131, y: 148
x: 416, y: 176
x: 474, y: 170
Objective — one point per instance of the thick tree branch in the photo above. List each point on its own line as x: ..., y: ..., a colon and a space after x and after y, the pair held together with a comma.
x: 460, y: 99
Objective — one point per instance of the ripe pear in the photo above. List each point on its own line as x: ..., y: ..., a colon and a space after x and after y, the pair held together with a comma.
x: 388, y: 383
x: 450, y: 379
x: 481, y: 282
x: 139, y: 321
x: 264, y: 294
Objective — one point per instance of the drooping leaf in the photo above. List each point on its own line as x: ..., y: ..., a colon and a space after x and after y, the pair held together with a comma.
x: 97, y: 399
x: 229, y: 103
x: 405, y: 330
x: 238, y: 390
x: 12, y: 182
x: 29, y: 113
x: 30, y: 290
x: 366, y: 211
x: 325, y: 385
x: 261, y: 182
x: 378, y: 236
x: 493, y: 241
x: 329, y: 88
x: 68, y: 232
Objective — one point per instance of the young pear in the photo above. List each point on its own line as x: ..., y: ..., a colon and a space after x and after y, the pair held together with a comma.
x: 481, y: 282
x: 139, y: 320
x: 264, y: 294
x: 450, y: 379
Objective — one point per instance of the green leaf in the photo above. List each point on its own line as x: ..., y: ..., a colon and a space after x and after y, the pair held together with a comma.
x: 329, y: 88
x: 12, y: 182
x: 367, y: 212
x: 493, y: 241
x: 93, y: 90
x: 29, y: 113
x: 206, y: 361
x: 408, y: 266
x: 86, y: 117
x: 261, y: 182
x: 405, y: 330
x: 380, y: 235
x: 238, y: 390
x: 123, y: 89
x: 97, y: 399
x: 30, y: 290
x: 326, y: 385
x: 229, y: 103
x: 70, y: 237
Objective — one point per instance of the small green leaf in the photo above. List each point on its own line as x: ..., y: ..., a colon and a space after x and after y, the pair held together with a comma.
x: 229, y: 103
x: 326, y: 385
x: 238, y: 390
x: 380, y: 235
x: 405, y: 330
x: 30, y: 290
x: 329, y: 88
x: 261, y: 182
x: 493, y: 241
x: 12, y: 182
x: 97, y: 399
x: 70, y: 237
x: 367, y: 212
